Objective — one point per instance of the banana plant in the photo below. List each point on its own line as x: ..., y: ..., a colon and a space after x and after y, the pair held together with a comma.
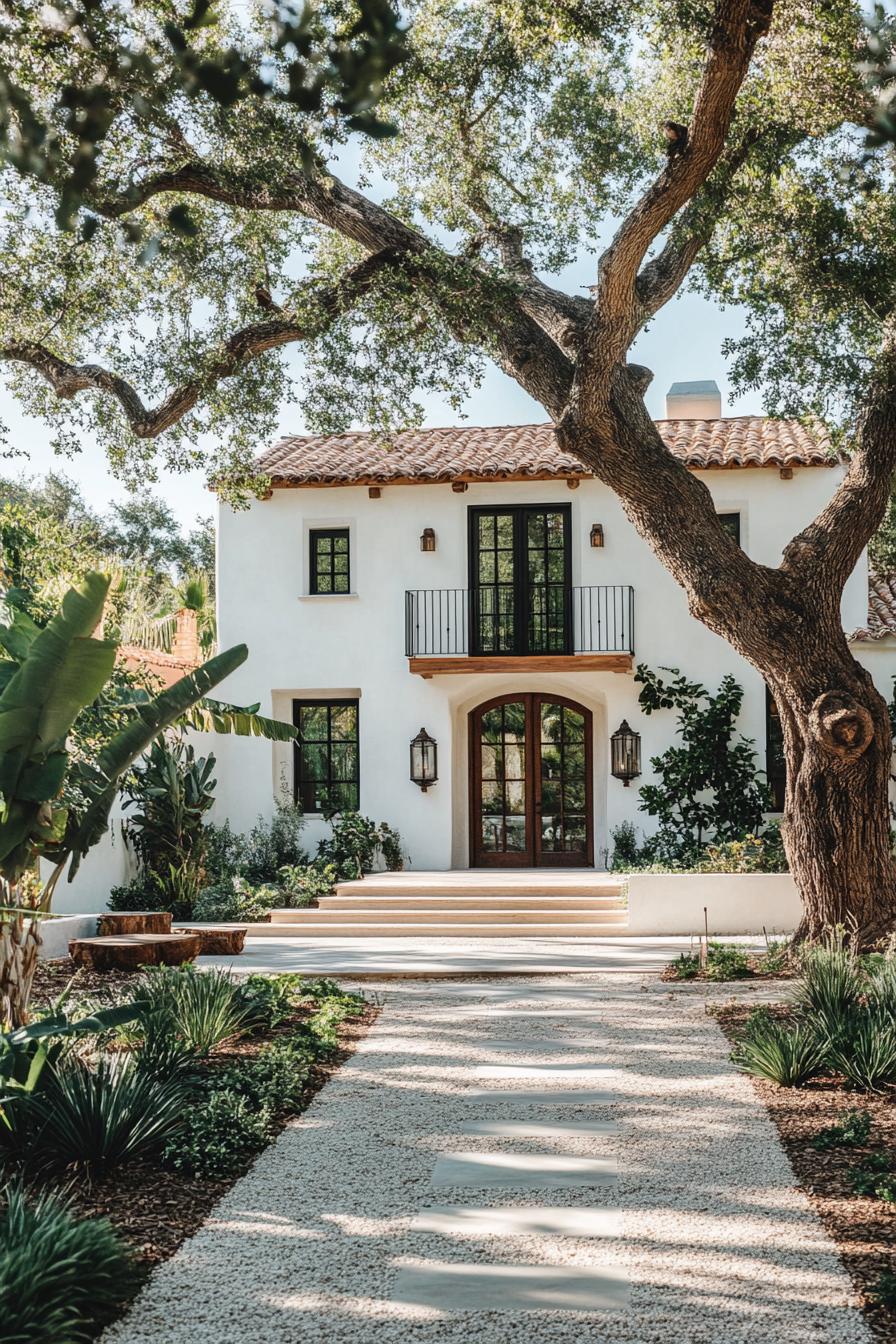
x: 52, y: 804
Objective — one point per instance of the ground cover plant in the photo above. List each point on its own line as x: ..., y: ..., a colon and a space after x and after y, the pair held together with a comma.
x: 732, y: 961
x: 156, y: 1091
x: 823, y: 1062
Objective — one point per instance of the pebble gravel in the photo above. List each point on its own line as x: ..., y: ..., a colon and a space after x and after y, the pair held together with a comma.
x: 702, y: 1237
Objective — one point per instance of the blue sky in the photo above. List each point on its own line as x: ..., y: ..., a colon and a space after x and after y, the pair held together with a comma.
x: 683, y: 343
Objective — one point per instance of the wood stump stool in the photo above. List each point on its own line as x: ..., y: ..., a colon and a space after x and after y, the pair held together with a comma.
x: 217, y: 940
x: 130, y: 951
x: 134, y: 921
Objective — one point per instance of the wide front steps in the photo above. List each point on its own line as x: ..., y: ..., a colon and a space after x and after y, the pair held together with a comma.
x: 460, y: 905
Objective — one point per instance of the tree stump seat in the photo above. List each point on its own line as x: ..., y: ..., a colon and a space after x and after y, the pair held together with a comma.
x: 217, y: 940
x: 134, y: 921
x: 129, y: 951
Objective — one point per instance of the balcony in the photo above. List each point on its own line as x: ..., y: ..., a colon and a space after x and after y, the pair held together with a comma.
x: 508, y: 628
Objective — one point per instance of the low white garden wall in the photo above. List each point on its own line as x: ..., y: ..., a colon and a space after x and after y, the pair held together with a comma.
x: 56, y: 934
x: 660, y: 903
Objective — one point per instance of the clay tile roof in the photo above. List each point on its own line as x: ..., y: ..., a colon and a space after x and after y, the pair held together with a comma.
x: 497, y: 452
x: 168, y: 667
x: 881, y: 608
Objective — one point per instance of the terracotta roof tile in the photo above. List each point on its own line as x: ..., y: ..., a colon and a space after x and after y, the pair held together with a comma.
x: 496, y: 452
x: 881, y: 608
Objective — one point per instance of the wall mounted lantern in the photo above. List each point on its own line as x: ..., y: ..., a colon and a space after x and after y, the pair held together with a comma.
x: 424, y: 760
x: 625, y: 753
x: 597, y: 534
x: 428, y: 539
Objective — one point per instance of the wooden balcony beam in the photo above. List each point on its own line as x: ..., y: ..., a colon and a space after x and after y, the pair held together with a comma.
x: 575, y: 662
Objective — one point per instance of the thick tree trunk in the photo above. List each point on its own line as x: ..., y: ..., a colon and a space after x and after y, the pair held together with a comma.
x: 837, y: 819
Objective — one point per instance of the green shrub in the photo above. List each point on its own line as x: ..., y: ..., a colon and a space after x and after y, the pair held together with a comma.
x: 830, y: 979
x: 787, y: 1055
x: 304, y: 884
x: 776, y: 957
x: 626, y: 851
x: 726, y: 961
x: 61, y: 1277
x: 355, y: 843
x: 866, y: 1053
x: 686, y: 966
x: 875, y: 1177
x: 270, y: 1000
x: 236, y: 900
x: 258, y: 856
x: 175, y: 889
x: 198, y: 1008
x: 274, y: 1082
x: 218, y: 1136
x: 97, y: 1118
x: 852, y: 1131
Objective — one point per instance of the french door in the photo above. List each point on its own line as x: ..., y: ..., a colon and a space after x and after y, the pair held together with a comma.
x: 520, y: 580
x: 530, y: 783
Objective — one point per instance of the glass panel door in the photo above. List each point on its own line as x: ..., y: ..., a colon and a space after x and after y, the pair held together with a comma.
x: 530, y: 782
x: 503, y: 812
x: 520, y: 576
x: 563, y: 809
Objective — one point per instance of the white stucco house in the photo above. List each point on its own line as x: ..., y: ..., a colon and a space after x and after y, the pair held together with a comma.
x: 479, y: 584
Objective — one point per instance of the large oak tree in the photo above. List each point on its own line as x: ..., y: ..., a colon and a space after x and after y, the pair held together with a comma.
x: 526, y: 134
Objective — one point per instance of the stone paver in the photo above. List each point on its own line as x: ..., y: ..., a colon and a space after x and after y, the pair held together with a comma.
x: 338, y: 1234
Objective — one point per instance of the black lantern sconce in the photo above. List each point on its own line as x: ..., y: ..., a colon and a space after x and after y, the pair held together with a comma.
x: 625, y: 753
x: 424, y: 760
x: 428, y: 539
x: 597, y: 534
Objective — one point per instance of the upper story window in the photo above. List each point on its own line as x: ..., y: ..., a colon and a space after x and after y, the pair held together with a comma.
x: 731, y: 524
x: 326, y: 754
x: 329, y: 568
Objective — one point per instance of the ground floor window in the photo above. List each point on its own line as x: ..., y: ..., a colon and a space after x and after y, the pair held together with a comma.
x: 775, y: 762
x: 326, y: 755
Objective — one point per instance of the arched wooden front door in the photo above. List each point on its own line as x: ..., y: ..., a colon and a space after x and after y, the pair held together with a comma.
x: 530, y: 783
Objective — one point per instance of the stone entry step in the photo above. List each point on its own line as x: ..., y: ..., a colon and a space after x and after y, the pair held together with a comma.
x: 318, y: 927
x: 466, y: 901
x: 542, y: 883
x: 415, y: 914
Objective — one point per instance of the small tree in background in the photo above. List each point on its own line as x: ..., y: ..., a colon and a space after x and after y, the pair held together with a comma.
x: 709, y: 788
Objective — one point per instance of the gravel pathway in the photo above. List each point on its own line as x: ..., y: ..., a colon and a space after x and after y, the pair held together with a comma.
x: 580, y: 1149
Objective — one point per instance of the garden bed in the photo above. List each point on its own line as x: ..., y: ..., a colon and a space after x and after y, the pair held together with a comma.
x: 863, y: 1226
x: 152, y: 1206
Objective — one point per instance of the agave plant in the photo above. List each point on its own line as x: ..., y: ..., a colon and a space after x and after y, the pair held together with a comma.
x: 61, y: 1276
x: 867, y: 1055
x: 787, y: 1055
x: 831, y: 978
x: 53, y: 804
x: 96, y: 1118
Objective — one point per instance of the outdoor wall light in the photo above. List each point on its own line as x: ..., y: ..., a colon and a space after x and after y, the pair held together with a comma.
x: 428, y: 539
x: 625, y: 753
x: 597, y: 534
x: 424, y: 760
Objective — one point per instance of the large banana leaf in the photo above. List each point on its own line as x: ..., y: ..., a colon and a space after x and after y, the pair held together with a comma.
x: 62, y: 671
x: 214, y: 716
x: 152, y: 718
x: 52, y: 674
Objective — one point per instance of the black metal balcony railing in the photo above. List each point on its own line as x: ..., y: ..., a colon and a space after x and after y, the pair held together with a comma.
x: 498, y: 620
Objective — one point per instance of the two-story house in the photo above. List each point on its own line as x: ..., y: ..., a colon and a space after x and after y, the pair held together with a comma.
x: 480, y: 585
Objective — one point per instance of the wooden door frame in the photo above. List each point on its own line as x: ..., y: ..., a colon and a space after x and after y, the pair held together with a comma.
x: 532, y: 856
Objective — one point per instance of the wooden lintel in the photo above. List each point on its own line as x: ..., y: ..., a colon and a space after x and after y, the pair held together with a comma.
x: 374, y: 491
x: 576, y: 662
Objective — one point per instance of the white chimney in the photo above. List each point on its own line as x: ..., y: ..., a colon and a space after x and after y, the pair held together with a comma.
x: 694, y: 401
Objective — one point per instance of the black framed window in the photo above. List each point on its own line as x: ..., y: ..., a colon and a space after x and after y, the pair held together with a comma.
x: 775, y: 760
x: 520, y: 568
x: 731, y: 524
x: 330, y: 560
x: 326, y: 755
